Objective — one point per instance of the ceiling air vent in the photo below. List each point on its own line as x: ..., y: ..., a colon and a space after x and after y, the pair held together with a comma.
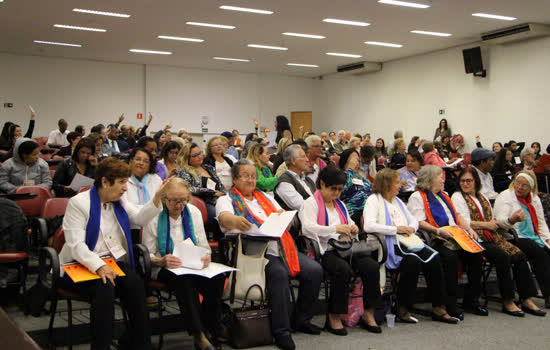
x: 515, y: 33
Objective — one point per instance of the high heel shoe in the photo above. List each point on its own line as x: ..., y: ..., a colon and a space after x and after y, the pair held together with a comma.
x: 341, y: 332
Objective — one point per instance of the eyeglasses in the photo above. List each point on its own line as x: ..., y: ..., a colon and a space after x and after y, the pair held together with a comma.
x: 196, y: 154
x: 336, y: 188
x: 316, y: 146
x: 248, y: 177
x: 177, y: 201
x: 524, y: 186
x: 466, y: 181
x: 174, y: 152
x: 144, y: 161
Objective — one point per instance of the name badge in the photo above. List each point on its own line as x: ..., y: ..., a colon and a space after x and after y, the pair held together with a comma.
x: 518, y: 160
x: 357, y: 182
x: 28, y: 182
x: 114, y: 246
x: 446, y: 159
x: 210, y: 184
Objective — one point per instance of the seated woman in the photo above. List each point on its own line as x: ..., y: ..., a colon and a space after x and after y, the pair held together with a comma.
x: 446, y: 148
x: 67, y: 151
x: 96, y: 224
x: 245, y: 206
x: 497, y: 146
x: 143, y: 181
x: 503, y: 170
x: 386, y: 215
x: 409, y: 173
x: 149, y: 144
x: 178, y: 221
x: 519, y: 207
x: 355, y: 143
x: 259, y: 156
x: 168, y: 157
x: 536, y: 148
x: 11, y: 132
x: 432, y: 158
x: 357, y: 189
x: 528, y: 159
x: 476, y: 210
x: 324, y: 218
x: 414, y: 144
x: 25, y: 168
x: 216, y: 158
x: 433, y: 209
x: 398, y: 157
x: 283, y: 144
x: 81, y: 162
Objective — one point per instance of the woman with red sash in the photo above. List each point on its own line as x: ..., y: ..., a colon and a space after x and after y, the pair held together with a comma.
x: 434, y: 210
x: 237, y: 212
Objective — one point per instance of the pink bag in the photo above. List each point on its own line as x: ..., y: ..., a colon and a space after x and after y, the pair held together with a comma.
x: 355, y: 307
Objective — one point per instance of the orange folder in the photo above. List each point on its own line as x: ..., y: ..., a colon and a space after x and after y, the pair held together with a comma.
x: 80, y: 273
x: 464, y: 241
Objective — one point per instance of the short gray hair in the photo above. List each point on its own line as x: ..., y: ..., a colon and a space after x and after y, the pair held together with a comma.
x: 311, y: 139
x: 426, y: 176
x: 291, y: 152
x: 236, y: 169
x: 526, y: 151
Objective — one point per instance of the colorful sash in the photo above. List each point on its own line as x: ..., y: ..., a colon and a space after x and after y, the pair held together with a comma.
x: 322, y: 215
x: 165, y: 242
x: 143, y: 195
x: 435, y: 213
x: 532, y: 212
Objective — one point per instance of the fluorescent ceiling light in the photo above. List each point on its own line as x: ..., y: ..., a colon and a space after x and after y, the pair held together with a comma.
x: 377, y: 43
x: 343, y: 54
x: 343, y: 21
x: 302, y: 65
x: 79, y: 28
x: 404, y: 3
x: 151, y: 51
x: 268, y: 47
x: 311, y: 36
x: 102, y: 13
x: 180, y: 38
x: 430, y: 33
x: 54, y: 43
x: 245, y: 9
x: 222, y: 26
x: 231, y: 59
x: 486, y: 15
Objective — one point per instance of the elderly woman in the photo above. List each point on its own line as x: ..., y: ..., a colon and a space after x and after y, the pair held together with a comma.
x: 399, y: 155
x: 149, y: 144
x: 386, y: 215
x: 168, y: 157
x: 216, y: 158
x: 355, y: 143
x: 237, y: 212
x: 179, y: 221
x: 259, y: 156
x: 434, y: 210
x: 143, y: 181
x: 476, y: 210
x: 357, y: 189
x: 25, y: 168
x: 325, y: 218
x: 82, y: 162
x: 409, y: 173
x: 528, y: 159
x: 519, y: 207
x: 96, y: 224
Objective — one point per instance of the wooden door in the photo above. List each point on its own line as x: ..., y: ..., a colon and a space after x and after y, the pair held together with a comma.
x: 298, y: 119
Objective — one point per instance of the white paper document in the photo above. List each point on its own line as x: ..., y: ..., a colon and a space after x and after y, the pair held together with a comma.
x: 274, y: 226
x: 189, y: 254
x: 80, y: 181
x: 212, y: 270
x: 453, y: 164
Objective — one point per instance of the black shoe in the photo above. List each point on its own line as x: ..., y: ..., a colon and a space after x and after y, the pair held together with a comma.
x: 340, y: 332
x: 442, y: 318
x: 456, y: 314
x: 373, y: 329
x: 534, y: 312
x: 478, y: 310
x: 309, y: 328
x: 513, y: 313
x: 285, y: 342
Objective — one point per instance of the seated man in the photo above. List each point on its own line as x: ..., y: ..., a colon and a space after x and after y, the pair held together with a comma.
x: 314, y: 154
x: 58, y: 137
x: 342, y: 143
x: 244, y: 207
x: 116, y: 144
x: 483, y: 161
x: 293, y: 187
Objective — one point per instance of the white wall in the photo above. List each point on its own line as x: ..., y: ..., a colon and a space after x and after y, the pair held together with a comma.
x: 512, y: 102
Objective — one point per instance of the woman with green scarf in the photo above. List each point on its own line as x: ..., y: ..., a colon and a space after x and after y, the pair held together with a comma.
x: 259, y: 156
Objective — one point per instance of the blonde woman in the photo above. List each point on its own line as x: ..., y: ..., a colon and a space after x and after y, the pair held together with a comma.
x: 283, y: 144
x: 216, y: 158
x: 399, y: 157
x: 259, y: 156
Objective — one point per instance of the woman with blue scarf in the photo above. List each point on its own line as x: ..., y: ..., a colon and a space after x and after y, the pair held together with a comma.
x: 178, y: 222
x: 97, y: 224
x: 434, y: 210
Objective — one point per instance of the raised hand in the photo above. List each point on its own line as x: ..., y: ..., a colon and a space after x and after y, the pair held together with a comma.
x: 33, y: 113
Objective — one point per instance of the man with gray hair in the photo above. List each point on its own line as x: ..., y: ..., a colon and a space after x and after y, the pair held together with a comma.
x: 342, y: 143
x: 314, y: 154
x: 293, y: 187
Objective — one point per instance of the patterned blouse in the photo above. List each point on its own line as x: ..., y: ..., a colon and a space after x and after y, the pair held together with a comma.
x: 199, y: 187
x: 356, y: 191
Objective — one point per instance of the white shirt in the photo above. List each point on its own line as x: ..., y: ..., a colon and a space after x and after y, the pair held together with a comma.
x: 225, y: 204
x: 320, y: 233
x: 76, y: 220
x: 313, y: 176
x: 152, y: 185
x: 288, y: 193
x: 370, y: 215
x: 114, y: 145
x: 487, y: 188
x: 223, y: 170
x: 462, y: 207
x: 56, y: 137
x: 507, y: 203
x: 416, y: 207
x: 150, y: 235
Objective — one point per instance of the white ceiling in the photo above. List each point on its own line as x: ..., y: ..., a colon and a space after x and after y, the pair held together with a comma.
x: 22, y: 21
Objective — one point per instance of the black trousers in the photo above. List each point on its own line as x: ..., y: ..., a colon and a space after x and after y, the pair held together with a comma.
x: 471, y: 263
x: 278, y: 292
x: 540, y: 262
x: 198, y: 317
x: 504, y: 264
x: 409, y: 270
x: 340, y: 273
x: 130, y: 290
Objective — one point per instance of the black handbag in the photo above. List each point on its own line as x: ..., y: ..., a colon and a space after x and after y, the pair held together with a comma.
x: 251, y: 326
x: 347, y: 249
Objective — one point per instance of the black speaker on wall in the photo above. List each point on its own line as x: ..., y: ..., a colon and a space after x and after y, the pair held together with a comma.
x: 473, y: 62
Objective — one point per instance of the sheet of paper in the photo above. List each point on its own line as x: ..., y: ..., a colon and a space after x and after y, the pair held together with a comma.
x: 453, y: 164
x: 189, y: 254
x: 80, y: 181
x: 212, y: 270
x: 274, y: 226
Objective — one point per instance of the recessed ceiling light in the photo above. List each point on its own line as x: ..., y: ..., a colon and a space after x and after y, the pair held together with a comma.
x: 343, y: 54
x: 343, y: 21
x: 180, y: 38
x: 430, y: 33
x: 419, y: 5
x: 311, y: 36
x: 245, y: 9
x: 268, y: 47
x: 487, y: 15
x: 302, y: 65
x: 222, y: 26
x: 55, y: 43
x: 377, y: 43
x: 231, y: 59
x: 79, y: 28
x: 151, y: 51
x: 102, y: 13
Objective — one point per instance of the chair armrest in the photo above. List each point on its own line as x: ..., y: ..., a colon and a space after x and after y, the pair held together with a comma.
x: 425, y: 236
x: 43, y: 228
x: 511, y: 235
x: 306, y: 245
x: 382, y: 247
x: 142, y: 261
x: 49, y: 269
